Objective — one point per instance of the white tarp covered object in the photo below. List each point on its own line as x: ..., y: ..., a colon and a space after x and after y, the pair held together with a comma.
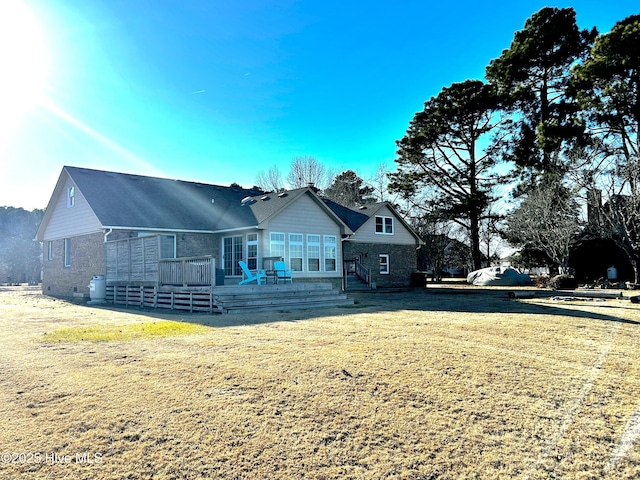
x: 498, y: 276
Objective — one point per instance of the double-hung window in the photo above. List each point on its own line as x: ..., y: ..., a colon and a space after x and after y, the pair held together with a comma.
x: 330, y: 253
x: 384, y: 264
x: 167, y: 246
x: 384, y: 225
x: 295, y: 251
x: 276, y: 244
x: 252, y: 251
x: 313, y: 253
x: 67, y: 252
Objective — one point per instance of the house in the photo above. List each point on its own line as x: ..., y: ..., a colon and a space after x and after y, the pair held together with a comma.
x: 382, y: 244
x: 122, y: 226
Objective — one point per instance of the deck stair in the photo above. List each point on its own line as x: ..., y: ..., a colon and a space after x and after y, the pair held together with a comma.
x: 356, y: 284
x: 254, y: 298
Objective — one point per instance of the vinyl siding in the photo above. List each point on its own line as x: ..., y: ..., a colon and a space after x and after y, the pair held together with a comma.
x: 367, y: 232
x: 71, y: 221
x: 304, y: 217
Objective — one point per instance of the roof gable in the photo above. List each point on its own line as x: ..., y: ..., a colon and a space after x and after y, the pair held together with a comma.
x: 267, y: 206
x: 356, y: 219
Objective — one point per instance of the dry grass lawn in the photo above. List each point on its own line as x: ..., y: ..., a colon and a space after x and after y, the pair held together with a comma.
x: 442, y: 383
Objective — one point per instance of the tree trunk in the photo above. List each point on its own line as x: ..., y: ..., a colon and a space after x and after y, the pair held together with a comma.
x: 633, y: 257
x: 634, y: 266
x: 474, y: 231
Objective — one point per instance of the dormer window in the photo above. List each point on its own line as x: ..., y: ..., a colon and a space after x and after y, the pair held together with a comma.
x: 384, y: 225
x: 71, y: 197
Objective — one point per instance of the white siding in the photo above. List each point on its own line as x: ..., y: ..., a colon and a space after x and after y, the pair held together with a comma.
x: 70, y: 221
x: 367, y: 232
x: 305, y: 216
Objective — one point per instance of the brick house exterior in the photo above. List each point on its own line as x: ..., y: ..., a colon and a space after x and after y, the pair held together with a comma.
x: 67, y: 274
x: 91, y: 209
x: 382, y: 242
x: 401, y: 262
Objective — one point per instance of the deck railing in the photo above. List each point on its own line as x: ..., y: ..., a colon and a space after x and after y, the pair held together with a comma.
x: 363, y: 273
x: 187, y: 271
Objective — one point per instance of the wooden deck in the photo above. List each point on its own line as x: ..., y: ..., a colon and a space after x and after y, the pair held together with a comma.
x: 228, y: 298
x: 137, y: 276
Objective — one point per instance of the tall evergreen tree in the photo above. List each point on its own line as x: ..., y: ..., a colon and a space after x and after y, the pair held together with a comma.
x: 441, y: 153
x: 348, y: 189
x: 534, y: 73
x: 608, y: 85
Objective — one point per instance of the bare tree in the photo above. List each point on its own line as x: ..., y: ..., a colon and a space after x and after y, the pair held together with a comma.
x: 306, y: 170
x: 437, y: 251
x: 490, y: 238
x: 270, y: 180
x: 614, y: 210
x: 547, y: 220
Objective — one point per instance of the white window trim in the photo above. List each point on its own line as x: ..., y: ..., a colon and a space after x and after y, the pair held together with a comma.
x: 50, y: 250
x: 277, y: 242
x: 71, y: 196
x: 255, y: 242
x: 301, y: 244
x: 326, y: 244
x: 66, y: 253
x: 384, y: 224
x: 314, y: 244
x: 385, y: 257
x: 235, y: 269
x: 175, y: 245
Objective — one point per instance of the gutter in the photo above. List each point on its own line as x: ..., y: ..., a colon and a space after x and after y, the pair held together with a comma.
x: 174, y: 230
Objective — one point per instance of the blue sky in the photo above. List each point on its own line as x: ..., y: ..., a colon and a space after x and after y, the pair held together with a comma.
x: 215, y: 91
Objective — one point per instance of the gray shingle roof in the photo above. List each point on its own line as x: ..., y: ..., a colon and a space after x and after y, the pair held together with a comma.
x: 353, y: 218
x: 124, y: 200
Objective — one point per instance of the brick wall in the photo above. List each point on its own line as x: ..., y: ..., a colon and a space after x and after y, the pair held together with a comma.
x: 197, y: 245
x: 87, y: 260
x: 402, y: 261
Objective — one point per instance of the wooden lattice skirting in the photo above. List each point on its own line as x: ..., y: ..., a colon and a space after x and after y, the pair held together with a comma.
x: 152, y: 297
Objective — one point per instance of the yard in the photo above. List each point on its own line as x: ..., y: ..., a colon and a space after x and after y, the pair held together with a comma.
x: 448, y: 383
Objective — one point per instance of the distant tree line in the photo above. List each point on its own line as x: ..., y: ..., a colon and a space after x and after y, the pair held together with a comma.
x: 20, y: 254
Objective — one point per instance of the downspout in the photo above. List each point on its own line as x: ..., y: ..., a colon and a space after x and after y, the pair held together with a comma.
x: 106, y: 237
x: 344, y: 275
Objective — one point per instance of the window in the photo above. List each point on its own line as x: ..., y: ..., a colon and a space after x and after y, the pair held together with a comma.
x: 313, y: 253
x: 67, y: 252
x: 167, y: 246
x: 49, y: 250
x: 252, y: 251
x: 71, y: 197
x: 384, y: 225
x: 295, y: 251
x: 384, y: 264
x: 276, y: 245
x: 330, y: 253
x: 232, y: 254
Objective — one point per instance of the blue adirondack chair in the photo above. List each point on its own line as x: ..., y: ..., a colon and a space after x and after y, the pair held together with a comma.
x: 260, y: 276
x: 282, y: 274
